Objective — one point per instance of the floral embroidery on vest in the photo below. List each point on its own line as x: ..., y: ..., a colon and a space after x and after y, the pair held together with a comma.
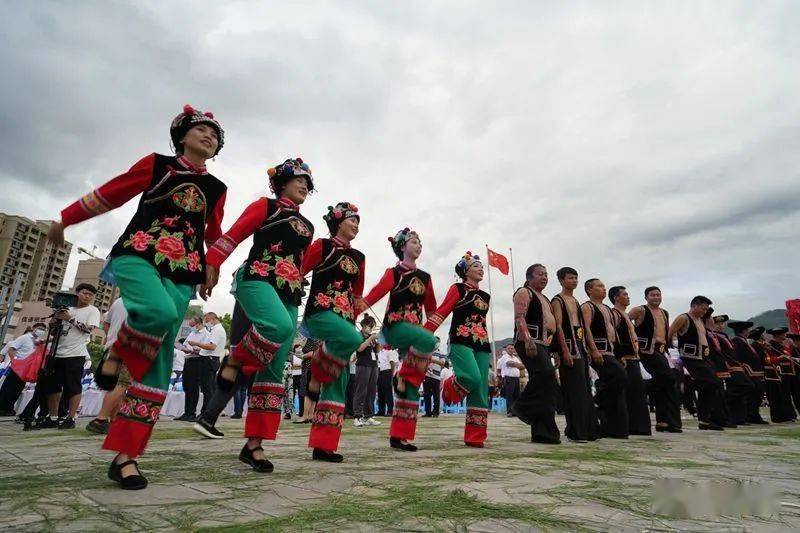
x: 169, y: 246
x: 189, y: 199
x: 286, y: 271
x: 408, y: 313
x: 335, y: 299
x: 475, y: 327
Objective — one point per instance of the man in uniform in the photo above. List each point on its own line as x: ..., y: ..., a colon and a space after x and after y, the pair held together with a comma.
x: 651, y: 323
x: 789, y: 375
x: 573, y: 368
x: 534, y: 325
x: 626, y: 350
x: 601, y: 335
x: 747, y: 356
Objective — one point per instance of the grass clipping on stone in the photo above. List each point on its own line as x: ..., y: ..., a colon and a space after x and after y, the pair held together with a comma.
x: 408, y: 507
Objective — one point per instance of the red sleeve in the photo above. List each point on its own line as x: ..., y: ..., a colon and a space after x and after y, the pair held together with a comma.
x: 111, y: 195
x: 430, y: 299
x: 381, y: 289
x: 358, y: 289
x: 436, y: 319
x: 249, y: 221
x: 214, y: 222
x: 312, y: 257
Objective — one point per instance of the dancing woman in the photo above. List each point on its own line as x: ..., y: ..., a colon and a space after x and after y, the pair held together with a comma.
x: 268, y: 287
x: 410, y: 291
x: 156, y: 263
x: 336, y: 288
x: 469, y: 347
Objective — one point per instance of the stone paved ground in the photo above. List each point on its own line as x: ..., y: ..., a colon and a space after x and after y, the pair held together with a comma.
x: 56, y: 480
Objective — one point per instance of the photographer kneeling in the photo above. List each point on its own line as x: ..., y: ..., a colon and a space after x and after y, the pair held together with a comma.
x: 70, y: 356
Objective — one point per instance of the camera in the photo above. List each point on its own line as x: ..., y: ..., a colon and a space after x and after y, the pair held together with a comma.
x: 64, y: 300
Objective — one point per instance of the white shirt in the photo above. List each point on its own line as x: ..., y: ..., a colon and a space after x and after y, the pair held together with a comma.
x: 296, y: 366
x: 506, y: 370
x: 200, y: 336
x: 23, y: 346
x: 115, y: 317
x: 177, y: 360
x: 385, y: 357
x: 435, y: 370
x: 73, y: 341
x: 218, y: 338
x: 446, y: 373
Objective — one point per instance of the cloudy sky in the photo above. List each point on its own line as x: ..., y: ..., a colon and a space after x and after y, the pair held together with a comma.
x: 641, y: 143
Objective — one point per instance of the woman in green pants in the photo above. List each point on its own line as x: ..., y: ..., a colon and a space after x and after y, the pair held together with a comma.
x: 335, y: 293
x: 156, y: 263
x: 268, y: 287
x: 410, y: 290
x: 469, y: 347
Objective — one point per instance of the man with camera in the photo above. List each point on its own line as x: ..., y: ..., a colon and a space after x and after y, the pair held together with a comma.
x: 70, y: 355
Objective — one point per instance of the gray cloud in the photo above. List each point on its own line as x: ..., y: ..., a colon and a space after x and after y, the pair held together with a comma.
x: 641, y: 144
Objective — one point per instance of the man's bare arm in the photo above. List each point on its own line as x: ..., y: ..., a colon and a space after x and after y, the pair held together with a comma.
x: 677, y: 325
x: 555, y: 305
x: 636, y: 314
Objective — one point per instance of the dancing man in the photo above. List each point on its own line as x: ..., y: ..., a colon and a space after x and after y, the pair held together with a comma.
x: 410, y: 292
x: 745, y: 355
x: 573, y: 369
x: 156, y: 263
x: 336, y: 289
x: 268, y: 287
x: 612, y: 380
x: 534, y: 326
x: 626, y: 349
x: 469, y: 347
x: 652, y: 322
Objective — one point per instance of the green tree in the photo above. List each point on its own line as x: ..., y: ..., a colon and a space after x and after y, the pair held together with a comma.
x: 95, y: 352
x: 193, y: 311
x: 226, y: 323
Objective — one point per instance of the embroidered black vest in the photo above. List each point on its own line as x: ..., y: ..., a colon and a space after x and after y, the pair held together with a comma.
x: 168, y: 228
x: 407, y: 296
x: 624, y: 344
x: 573, y: 333
x: 333, y: 280
x: 277, y: 252
x: 747, y: 354
x: 468, y: 325
x: 689, y: 342
x: 599, y: 331
x: 534, y: 318
x: 645, y: 331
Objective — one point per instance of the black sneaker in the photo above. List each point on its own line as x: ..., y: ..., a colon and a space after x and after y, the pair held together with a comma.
x: 66, y: 423
x: 185, y: 418
x: 236, y: 416
x: 46, y: 423
x: 98, y: 426
x: 207, y: 429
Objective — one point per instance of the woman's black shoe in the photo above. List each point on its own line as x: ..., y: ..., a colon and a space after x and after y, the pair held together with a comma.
x: 398, y: 444
x: 668, y: 429
x: 708, y: 425
x: 259, y: 465
x: 322, y: 455
x: 134, y: 482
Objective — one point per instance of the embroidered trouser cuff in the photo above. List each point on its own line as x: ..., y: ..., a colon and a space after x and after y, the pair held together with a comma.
x: 475, y: 425
x: 264, y: 411
x: 254, y: 351
x: 418, y: 342
x: 131, y: 429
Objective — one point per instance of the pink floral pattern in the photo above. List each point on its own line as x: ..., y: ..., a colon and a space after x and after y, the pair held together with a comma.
x: 475, y: 327
x: 411, y: 312
x: 284, y: 268
x: 176, y: 248
x: 338, y: 301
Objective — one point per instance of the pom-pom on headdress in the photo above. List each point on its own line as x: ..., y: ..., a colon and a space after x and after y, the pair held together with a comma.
x: 188, y: 119
x: 463, y: 265
x: 287, y: 171
x: 336, y: 214
x: 400, y: 240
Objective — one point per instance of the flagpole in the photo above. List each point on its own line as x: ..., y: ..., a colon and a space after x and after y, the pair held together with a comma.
x: 491, y: 312
x: 511, y: 258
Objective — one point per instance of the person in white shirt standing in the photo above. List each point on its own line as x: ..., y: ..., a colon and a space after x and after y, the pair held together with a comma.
x: 211, y: 352
x: 18, y: 349
x: 78, y: 323
x: 510, y: 367
x: 112, y: 322
x: 195, y: 367
x: 388, y: 361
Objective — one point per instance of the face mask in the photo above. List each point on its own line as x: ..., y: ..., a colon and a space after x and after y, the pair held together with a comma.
x: 208, y: 325
x: 39, y: 333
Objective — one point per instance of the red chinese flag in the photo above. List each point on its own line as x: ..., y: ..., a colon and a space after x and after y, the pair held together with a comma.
x: 498, y: 261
